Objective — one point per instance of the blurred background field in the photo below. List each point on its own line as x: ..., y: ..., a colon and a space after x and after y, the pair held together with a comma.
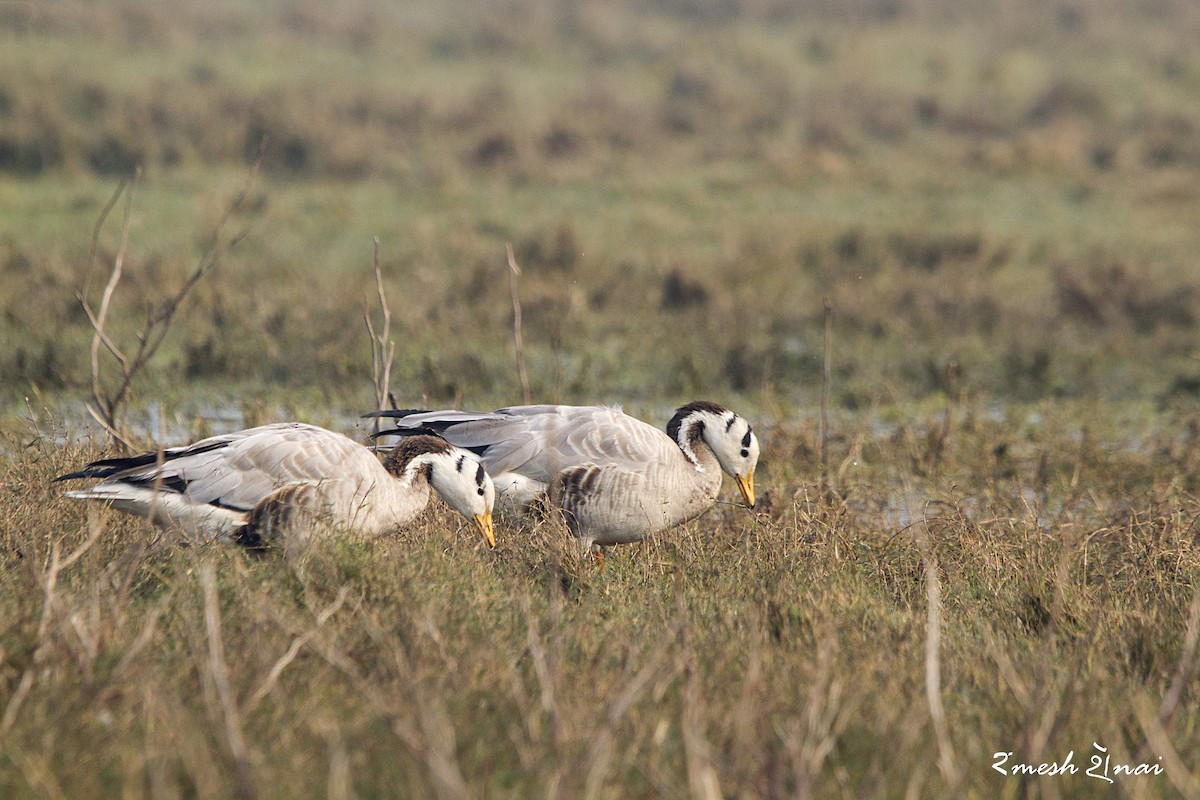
x: 1000, y: 201
x: 1009, y: 188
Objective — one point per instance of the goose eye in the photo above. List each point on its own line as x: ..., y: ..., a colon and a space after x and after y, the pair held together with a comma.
x: 745, y: 452
x: 481, y: 491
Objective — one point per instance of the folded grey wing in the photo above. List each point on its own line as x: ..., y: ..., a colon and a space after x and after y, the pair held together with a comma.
x: 244, y: 469
x: 503, y: 443
x: 206, y: 478
x: 256, y: 467
x: 541, y: 441
x: 564, y: 437
x: 508, y: 440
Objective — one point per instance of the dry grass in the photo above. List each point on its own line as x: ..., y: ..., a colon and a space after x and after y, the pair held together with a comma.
x: 937, y: 572
x: 1045, y: 583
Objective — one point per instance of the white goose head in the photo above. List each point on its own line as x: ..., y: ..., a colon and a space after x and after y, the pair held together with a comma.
x: 728, y: 436
x: 456, y: 474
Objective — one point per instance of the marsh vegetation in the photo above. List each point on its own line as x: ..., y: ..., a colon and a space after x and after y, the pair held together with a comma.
x: 1000, y: 203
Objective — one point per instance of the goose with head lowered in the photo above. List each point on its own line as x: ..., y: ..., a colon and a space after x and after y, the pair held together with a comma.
x: 276, y: 482
x: 615, y: 478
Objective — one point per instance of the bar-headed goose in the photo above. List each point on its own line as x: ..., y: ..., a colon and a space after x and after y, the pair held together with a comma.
x: 616, y: 478
x: 268, y: 483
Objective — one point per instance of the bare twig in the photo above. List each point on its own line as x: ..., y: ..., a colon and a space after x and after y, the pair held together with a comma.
x: 106, y: 403
x: 514, y: 272
x: 106, y: 423
x: 383, y: 349
x: 340, y: 786
x: 102, y: 407
x: 104, y: 212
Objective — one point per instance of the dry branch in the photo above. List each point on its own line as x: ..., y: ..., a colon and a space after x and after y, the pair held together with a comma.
x: 107, y: 403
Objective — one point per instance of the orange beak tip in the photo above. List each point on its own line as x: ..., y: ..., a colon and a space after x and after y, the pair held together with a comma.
x: 484, y: 523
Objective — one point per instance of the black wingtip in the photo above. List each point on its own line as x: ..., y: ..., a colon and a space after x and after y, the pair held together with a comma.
x: 103, y: 468
x: 393, y: 413
x: 423, y: 430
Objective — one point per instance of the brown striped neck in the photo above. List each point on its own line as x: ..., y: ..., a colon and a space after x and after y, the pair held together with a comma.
x: 686, y: 428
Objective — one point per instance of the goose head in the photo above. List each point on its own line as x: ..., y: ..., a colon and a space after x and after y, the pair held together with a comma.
x: 728, y: 435
x: 455, y: 474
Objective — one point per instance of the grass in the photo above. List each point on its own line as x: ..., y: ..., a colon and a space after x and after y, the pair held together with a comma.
x: 998, y: 201
x: 768, y: 654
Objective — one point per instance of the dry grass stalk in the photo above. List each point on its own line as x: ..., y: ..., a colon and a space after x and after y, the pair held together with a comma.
x: 107, y: 403
x: 432, y: 738
x: 811, y: 737
x: 514, y: 272
x: 294, y: 650
x: 703, y: 779
x: 1159, y: 743
x: 933, y: 669
x: 1154, y: 724
x: 811, y: 674
x: 383, y: 349
x: 1185, y: 670
x: 437, y: 730
x: 49, y: 603
x: 220, y: 677
x: 545, y: 668
x: 340, y: 785
x: 599, y: 752
x: 826, y: 377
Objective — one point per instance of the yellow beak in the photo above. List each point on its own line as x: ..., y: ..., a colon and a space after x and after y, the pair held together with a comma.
x: 484, y: 523
x: 746, y: 484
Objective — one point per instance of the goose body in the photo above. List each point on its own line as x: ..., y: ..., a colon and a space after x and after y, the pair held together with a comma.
x: 616, y: 478
x: 278, y: 481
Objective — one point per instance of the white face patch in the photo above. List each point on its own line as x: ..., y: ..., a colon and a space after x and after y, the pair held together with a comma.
x: 727, y: 435
x: 463, y: 482
x: 735, y: 446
